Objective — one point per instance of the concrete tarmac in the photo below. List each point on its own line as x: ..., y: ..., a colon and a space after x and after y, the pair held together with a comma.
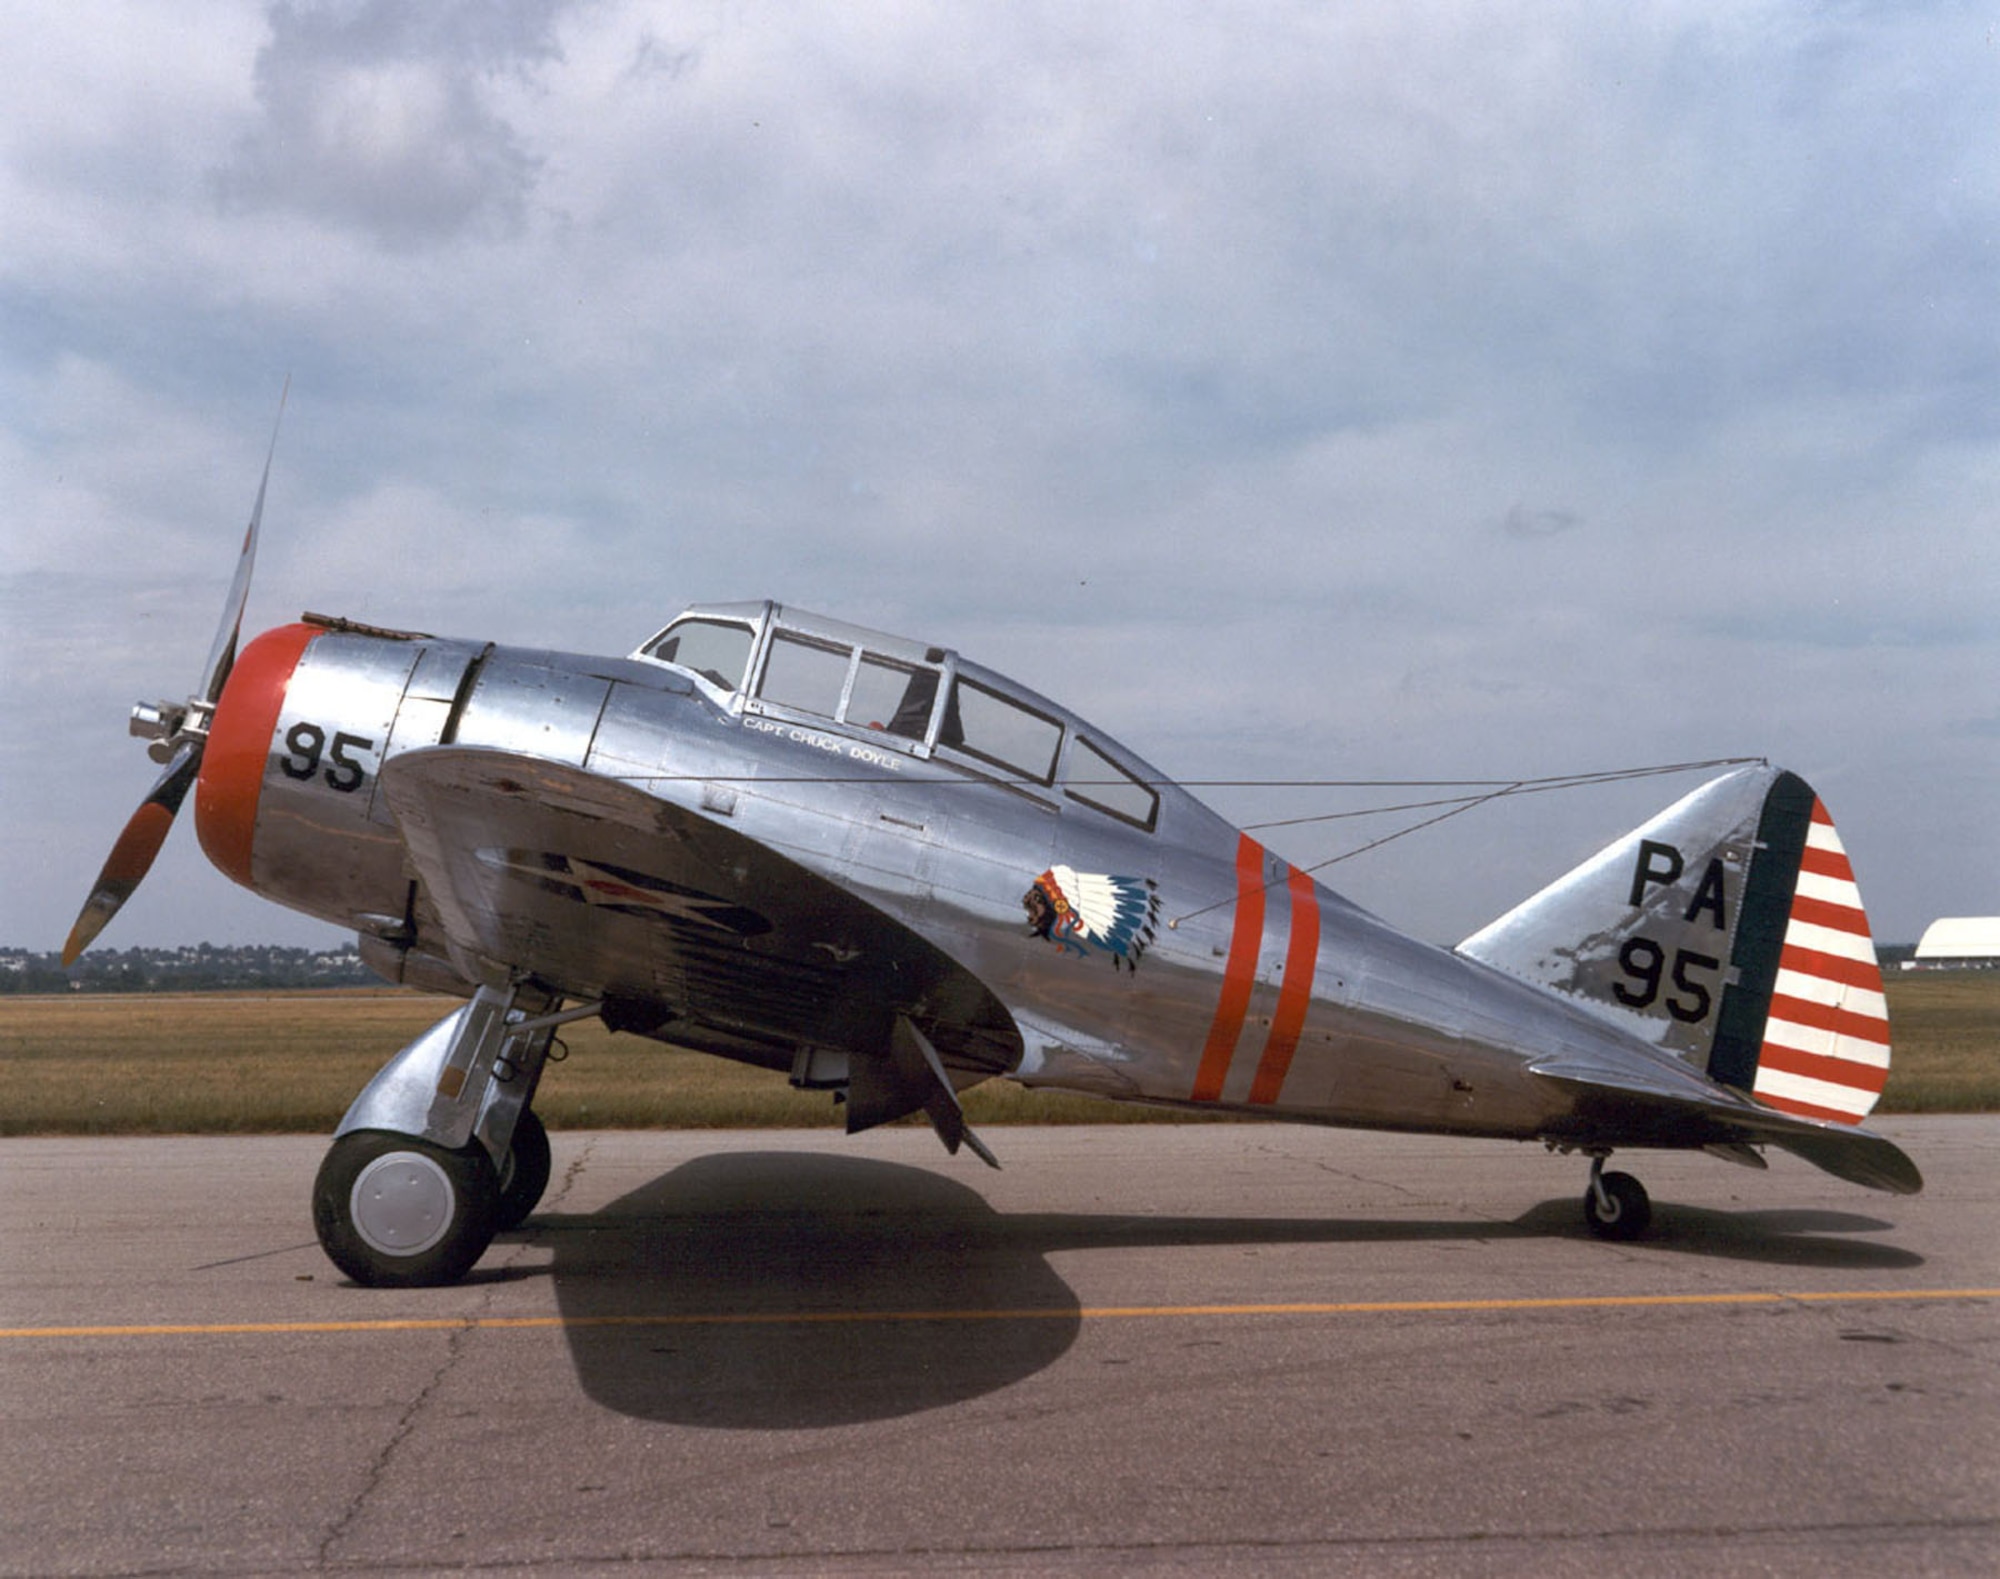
x: 1208, y: 1349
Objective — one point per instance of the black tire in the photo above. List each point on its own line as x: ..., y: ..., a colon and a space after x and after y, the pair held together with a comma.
x: 1630, y: 1210
x: 526, y: 1174
x: 426, y: 1214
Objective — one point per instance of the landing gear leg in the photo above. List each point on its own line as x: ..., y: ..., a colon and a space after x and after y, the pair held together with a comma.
x: 1615, y: 1205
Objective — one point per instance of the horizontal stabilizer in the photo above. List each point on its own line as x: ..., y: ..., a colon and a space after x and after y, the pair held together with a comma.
x: 1858, y: 1156
x: 1613, y: 1108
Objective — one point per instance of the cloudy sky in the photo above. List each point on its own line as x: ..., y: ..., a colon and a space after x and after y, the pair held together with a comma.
x: 1300, y: 391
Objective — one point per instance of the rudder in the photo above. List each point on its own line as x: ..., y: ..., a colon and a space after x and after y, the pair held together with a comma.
x: 1815, y: 1041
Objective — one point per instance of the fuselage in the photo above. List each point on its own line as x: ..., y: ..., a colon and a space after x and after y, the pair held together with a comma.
x: 1143, y: 947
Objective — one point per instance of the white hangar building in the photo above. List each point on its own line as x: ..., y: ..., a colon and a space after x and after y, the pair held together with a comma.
x: 1959, y: 940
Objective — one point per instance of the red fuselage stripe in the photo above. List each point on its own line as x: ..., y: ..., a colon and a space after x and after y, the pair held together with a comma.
x: 1239, y: 975
x: 1295, y: 994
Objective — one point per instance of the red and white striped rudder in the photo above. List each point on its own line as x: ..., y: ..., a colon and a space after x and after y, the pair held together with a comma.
x: 1825, y: 1052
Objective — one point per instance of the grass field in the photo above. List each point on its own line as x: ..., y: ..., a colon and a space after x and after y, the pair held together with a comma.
x: 224, y: 1064
x: 205, y: 1063
x: 1946, y: 1030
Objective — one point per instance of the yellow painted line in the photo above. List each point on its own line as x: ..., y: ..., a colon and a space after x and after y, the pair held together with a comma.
x: 1038, y: 1313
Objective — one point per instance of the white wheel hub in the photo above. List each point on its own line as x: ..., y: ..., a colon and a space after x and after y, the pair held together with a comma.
x: 402, y: 1204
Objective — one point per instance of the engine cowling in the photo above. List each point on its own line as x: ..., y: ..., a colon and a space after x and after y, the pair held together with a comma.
x: 287, y: 801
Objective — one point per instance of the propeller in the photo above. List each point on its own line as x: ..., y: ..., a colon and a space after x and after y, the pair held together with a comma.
x: 178, y: 731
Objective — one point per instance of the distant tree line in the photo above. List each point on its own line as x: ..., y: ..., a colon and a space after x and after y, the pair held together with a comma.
x: 199, y: 967
x: 207, y: 967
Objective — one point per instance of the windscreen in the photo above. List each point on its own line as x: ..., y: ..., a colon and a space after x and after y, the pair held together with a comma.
x: 717, y: 650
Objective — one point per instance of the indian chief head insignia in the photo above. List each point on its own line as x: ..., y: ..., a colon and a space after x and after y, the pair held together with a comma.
x: 1094, y: 913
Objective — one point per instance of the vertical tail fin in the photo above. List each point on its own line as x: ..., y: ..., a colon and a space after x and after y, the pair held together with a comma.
x: 1729, y: 931
x: 1822, y: 1048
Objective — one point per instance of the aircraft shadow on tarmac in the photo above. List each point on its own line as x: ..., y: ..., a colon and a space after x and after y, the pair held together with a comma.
x: 767, y: 1290
x: 1778, y: 1237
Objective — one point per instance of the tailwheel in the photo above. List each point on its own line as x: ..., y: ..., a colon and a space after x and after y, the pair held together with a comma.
x: 525, y: 1174
x: 393, y: 1211
x: 1615, y: 1205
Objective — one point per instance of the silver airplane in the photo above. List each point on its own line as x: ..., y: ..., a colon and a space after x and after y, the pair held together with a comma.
x: 886, y: 872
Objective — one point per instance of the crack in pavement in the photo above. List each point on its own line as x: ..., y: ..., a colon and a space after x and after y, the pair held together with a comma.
x: 378, y: 1469
x: 457, y: 1344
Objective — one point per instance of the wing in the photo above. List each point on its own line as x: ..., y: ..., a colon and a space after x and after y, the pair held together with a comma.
x: 687, y: 928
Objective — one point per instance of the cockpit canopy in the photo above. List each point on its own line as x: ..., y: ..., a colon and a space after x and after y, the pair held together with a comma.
x: 767, y: 660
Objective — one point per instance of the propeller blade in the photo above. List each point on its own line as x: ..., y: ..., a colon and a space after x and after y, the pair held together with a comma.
x: 222, y: 655
x: 132, y: 856
x: 181, y: 730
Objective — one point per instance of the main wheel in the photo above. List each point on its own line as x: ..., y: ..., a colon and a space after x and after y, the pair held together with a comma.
x: 393, y: 1211
x: 525, y: 1175
x: 1625, y: 1211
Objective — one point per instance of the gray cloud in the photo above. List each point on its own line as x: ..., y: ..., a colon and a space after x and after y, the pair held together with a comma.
x: 383, y: 117
x: 1521, y: 521
x: 1348, y: 393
